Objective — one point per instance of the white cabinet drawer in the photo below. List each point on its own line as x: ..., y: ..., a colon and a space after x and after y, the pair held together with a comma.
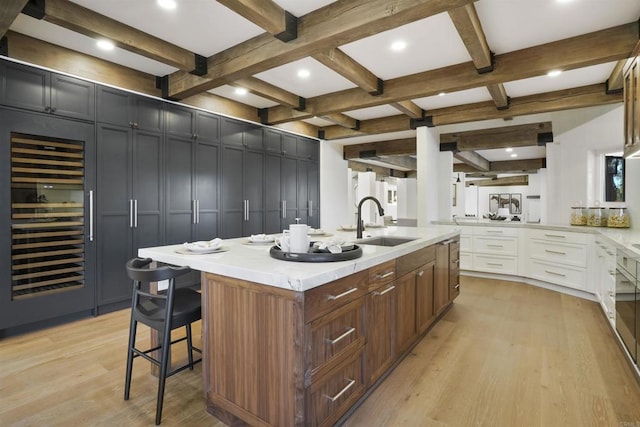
x: 564, y: 253
x: 466, y: 261
x: 495, y: 231
x: 560, y: 236
x: 565, y: 275
x: 496, y: 245
x: 495, y: 264
x: 465, y: 243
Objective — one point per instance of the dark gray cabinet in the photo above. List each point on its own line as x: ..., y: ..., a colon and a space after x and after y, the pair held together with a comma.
x: 129, y: 205
x: 46, y: 239
x: 39, y: 90
x: 243, y: 164
x: 122, y: 108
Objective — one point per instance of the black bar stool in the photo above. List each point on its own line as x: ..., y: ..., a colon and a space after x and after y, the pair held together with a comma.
x: 163, y: 312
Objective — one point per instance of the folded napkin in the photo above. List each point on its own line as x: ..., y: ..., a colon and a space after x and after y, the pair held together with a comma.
x: 204, y: 244
x: 261, y: 238
x: 334, y: 245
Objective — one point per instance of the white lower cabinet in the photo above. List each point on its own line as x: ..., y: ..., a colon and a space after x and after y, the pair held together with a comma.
x: 565, y: 275
x: 495, y: 263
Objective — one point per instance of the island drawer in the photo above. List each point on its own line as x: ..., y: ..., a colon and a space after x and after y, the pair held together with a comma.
x: 330, y: 397
x: 565, y: 275
x: 410, y: 262
x: 382, y: 273
x: 495, y: 245
x: 495, y: 231
x: 564, y: 253
x: 334, y: 335
x: 495, y: 263
x: 559, y: 236
x: 323, y: 299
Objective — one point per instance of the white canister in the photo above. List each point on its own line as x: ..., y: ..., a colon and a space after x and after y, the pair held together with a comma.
x: 298, y: 238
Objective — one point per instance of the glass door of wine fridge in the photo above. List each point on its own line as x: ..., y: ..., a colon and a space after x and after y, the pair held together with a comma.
x: 50, y: 227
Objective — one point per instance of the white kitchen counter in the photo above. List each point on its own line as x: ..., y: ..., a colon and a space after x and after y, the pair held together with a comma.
x: 253, y: 263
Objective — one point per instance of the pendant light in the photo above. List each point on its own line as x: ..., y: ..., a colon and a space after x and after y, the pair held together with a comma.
x: 458, y: 180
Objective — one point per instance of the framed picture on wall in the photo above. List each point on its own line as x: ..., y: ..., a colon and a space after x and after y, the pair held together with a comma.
x: 515, y: 204
x: 504, y: 200
x: 494, y: 203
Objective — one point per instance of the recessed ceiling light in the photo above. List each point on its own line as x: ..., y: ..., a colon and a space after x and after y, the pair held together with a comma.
x: 167, y: 4
x: 398, y: 45
x: 441, y: 94
x: 514, y: 155
x: 554, y: 73
x: 105, y: 44
x: 241, y: 91
x: 508, y: 150
x: 304, y: 73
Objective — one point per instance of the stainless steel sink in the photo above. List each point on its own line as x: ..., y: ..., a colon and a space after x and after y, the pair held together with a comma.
x: 385, y: 240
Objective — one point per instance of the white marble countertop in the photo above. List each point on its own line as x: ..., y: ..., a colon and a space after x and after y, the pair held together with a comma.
x: 252, y: 262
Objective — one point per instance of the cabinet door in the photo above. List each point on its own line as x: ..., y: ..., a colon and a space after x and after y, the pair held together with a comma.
x: 148, y: 190
x: 380, y: 331
x: 232, y: 191
x: 207, y: 127
x: 405, y: 312
x: 179, y: 193
x: 454, y: 270
x: 25, y: 87
x: 148, y: 114
x: 441, y: 286
x: 313, y: 185
x: 253, y: 137
x: 253, y: 190
x: 232, y: 132
x: 272, y: 141
x: 207, y: 190
x: 289, y: 145
x: 303, y: 191
x: 179, y: 121
x: 425, y: 277
x: 113, y: 219
x: 114, y: 106
x: 273, y: 193
x: 289, y: 190
x: 71, y: 97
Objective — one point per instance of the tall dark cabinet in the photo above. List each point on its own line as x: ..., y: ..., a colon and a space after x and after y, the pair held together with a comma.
x: 130, y: 191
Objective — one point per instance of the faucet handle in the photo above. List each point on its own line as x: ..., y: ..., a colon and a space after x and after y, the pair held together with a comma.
x: 298, y: 220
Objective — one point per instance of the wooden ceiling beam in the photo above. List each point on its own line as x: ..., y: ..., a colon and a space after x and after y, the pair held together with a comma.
x: 598, y: 47
x: 350, y: 69
x: 409, y: 108
x: 268, y: 15
x: 405, y: 162
x: 269, y: 91
x: 499, y: 182
x: 499, y: 95
x: 473, y: 159
x: 8, y: 12
x: 463, y: 167
x: 342, y: 120
x: 615, y: 80
x: 566, y: 99
x: 357, y: 166
x: 468, y: 25
x: 526, y: 135
x: 514, y: 166
x: 406, y: 146
x: 337, y: 23
x: 85, y: 21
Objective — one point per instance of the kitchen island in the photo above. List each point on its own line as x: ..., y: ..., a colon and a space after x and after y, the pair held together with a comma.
x: 289, y: 343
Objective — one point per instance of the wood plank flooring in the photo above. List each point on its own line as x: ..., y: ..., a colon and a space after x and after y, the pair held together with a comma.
x: 506, y: 354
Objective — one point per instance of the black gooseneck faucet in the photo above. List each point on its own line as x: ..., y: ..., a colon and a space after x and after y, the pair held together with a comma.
x: 360, y: 225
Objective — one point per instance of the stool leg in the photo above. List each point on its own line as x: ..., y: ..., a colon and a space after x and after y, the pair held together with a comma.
x: 189, y: 345
x: 132, y: 342
x: 164, y: 366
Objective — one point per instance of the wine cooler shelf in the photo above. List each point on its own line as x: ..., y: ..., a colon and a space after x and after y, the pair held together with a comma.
x: 47, y: 212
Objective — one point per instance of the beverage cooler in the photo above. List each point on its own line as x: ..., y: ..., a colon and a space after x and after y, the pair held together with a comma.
x: 47, y: 258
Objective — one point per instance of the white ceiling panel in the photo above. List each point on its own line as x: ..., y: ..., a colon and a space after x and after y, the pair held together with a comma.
x: 515, y: 24
x: 375, y: 138
x: 373, y: 112
x: 66, y: 38
x: 568, y: 79
x: 317, y: 121
x: 431, y: 43
x: 228, y: 92
x: 204, y: 27
x: 453, y: 98
x: 320, y: 81
x: 523, y: 153
x: 302, y: 7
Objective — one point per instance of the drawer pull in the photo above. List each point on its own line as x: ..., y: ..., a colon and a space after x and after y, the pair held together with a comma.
x: 385, y: 275
x: 495, y: 263
x: 555, y: 274
x: 495, y: 246
x: 420, y: 273
x: 345, y: 293
x: 457, y: 286
x: 341, y: 337
x: 495, y: 231
x: 389, y: 289
x: 555, y: 252
x: 456, y: 261
x: 341, y: 392
x: 555, y: 235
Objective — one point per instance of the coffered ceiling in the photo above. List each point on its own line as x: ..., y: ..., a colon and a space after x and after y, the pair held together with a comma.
x: 463, y: 60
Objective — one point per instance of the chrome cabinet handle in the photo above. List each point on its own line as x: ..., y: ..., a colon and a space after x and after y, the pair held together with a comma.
x: 555, y: 274
x: 420, y: 273
x: 345, y: 293
x: 389, y: 289
x: 495, y: 231
x: 555, y: 252
x: 135, y: 213
x: 457, y: 286
x: 385, y: 275
x: 495, y: 246
x: 91, y: 215
x: 555, y: 235
x: 341, y: 392
x: 130, y: 213
x: 348, y: 332
x: 310, y: 208
x: 284, y: 209
x: 495, y: 263
x: 247, y: 219
x: 194, y: 219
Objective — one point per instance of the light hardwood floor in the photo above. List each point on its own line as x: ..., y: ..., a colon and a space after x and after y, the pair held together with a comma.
x: 506, y: 354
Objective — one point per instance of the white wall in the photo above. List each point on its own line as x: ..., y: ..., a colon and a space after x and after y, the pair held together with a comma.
x: 334, y: 188
x: 429, y: 174
x: 407, y: 190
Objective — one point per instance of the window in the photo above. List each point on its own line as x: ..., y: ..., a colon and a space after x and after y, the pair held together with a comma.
x: 614, y: 179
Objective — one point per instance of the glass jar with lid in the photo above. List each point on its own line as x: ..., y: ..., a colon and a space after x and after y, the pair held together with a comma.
x: 618, y: 218
x: 578, y: 216
x: 597, y: 217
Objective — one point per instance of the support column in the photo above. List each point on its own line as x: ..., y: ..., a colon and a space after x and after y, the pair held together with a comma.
x: 429, y: 176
